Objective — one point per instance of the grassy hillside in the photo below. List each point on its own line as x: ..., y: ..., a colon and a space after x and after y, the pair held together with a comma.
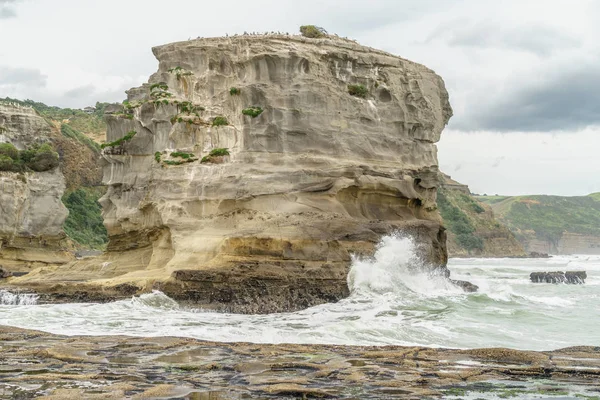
x: 90, y: 125
x: 84, y: 223
x: 472, y: 227
x: 549, y: 216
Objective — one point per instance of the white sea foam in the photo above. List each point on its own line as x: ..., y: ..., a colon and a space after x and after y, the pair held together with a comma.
x: 394, y: 300
x: 17, y: 299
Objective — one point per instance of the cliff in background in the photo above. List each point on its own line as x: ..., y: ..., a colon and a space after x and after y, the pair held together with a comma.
x: 73, y: 132
x: 31, y: 211
x: 249, y: 168
x: 473, y: 230
x: 551, y: 224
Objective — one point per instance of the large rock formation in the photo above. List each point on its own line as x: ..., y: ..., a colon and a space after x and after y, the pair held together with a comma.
x: 319, y: 175
x: 31, y: 211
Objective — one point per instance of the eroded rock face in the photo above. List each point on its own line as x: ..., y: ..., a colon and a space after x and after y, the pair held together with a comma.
x: 31, y: 211
x: 317, y: 176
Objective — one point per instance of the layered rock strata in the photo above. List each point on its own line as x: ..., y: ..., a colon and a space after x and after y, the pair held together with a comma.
x: 41, y: 365
x: 311, y: 173
x: 31, y: 211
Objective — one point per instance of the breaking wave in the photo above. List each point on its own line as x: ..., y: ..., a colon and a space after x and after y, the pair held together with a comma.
x: 17, y: 299
x: 395, y: 300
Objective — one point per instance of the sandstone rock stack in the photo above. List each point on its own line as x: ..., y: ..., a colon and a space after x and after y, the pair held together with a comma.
x: 248, y: 169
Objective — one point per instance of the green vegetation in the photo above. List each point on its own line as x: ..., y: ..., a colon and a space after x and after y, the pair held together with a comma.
x: 189, y: 108
x: 182, y: 155
x: 234, y: 91
x: 158, y: 92
x: 84, y: 223
x: 312, y: 31
x: 358, y: 91
x: 37, y: 158
x: 157, y: 156
x: 91, y: 124
x: 172, y: 162
x: 550, y: 216
x: 595, y: 196
x: 120, y: 141
x: 491, y: 199
x: 159, y: 85
x: 179, y: 72
x: 458, y: 223
x: 220, y: 121
x: 252, y: 111
x: 219, y: 152
x: 69, y: 132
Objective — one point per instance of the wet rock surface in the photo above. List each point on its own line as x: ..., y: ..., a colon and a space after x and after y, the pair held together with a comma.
x: 40, y: 365
x: 572, y: 277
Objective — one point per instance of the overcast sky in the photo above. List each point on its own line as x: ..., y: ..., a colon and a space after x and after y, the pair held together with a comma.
x: 523, y: 76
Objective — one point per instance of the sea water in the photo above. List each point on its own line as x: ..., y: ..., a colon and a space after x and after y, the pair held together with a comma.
x: 393, y: 301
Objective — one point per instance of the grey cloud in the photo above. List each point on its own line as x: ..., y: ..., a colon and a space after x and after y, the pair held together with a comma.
x: 350, y: 17
x: 6, y: 10
x: 567, y: 101
x: 10, y: 76
x: 81, y: 91
x: 538, y: 39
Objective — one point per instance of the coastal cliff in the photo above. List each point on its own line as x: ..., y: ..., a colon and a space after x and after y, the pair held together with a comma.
x: 248, y: 169
x: 473, y: 230
x: 551, y: 224
x: 31, y: 211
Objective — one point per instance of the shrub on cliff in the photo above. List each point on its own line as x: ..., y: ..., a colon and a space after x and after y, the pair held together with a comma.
x: 8, y: 150
x: 37, y: 158
x: 358, y: 91
x: 220, y: 121
x: 252, y: 111
x: 45, y: 159
x: 7, y: 164
x: 120, y: 141
x: 312, y: 31
x: 234, y: 91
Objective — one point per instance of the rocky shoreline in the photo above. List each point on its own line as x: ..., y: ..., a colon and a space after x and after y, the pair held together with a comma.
x: 35, y: 364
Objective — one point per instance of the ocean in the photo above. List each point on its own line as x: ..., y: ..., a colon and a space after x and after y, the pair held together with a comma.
x: 393, y: 301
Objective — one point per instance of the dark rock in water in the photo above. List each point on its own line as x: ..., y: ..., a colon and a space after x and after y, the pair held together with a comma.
x: 4, y: 273
x: 466, y: 286
x: 535, y: 254
x: 577, y: 277
x: 572, y: 277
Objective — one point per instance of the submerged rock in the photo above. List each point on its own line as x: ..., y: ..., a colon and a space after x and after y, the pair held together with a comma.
x: 573, y: 277
x: 466, y: 286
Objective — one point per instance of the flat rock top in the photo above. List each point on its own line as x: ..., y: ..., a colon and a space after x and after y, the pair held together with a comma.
x: 34, y: 364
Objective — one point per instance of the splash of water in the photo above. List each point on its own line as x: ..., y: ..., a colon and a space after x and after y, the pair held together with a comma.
x: 17, y: 299
x: 396, y: 269
x: 394, y: 300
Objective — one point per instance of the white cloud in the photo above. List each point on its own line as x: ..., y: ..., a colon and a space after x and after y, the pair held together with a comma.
x: 520, y: 163
x: 505, y: 64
